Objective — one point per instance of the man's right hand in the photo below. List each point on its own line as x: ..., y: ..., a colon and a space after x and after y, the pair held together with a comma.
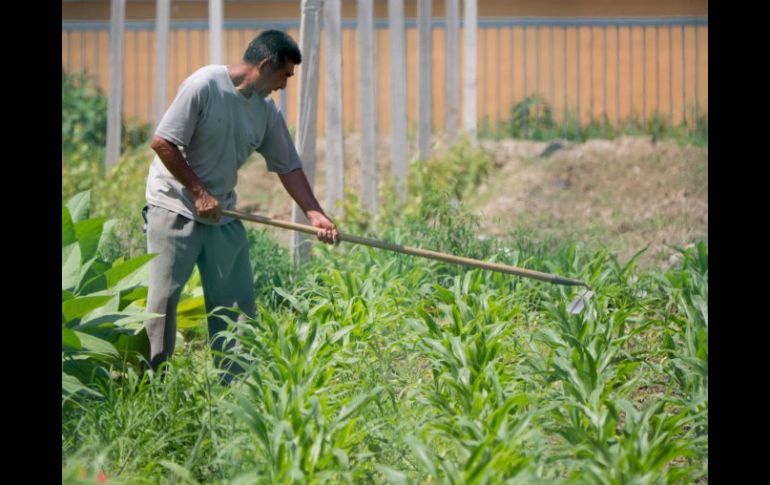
x: 207, y: 205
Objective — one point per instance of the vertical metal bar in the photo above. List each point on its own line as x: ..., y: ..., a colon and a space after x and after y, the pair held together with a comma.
x: 116, y: 91
x: 83, y: 51
x: 96, y: 57
x: 644, y: 76
x: 591, y: 74
x: 695, y: 74
x: 150, y: 76
x: 564, y: 70
x: 497, y: 85
x: 172, y: 67
x: 333, y: 102
x: 162, y: 46
x: 551, y: 88
x: 366, y: 57
x: 356, y: 101
x: 617, y: 76
x: 537, y: 69
x: 398, y: 91
x: 631, y: 113
x: 227, y: 57
x: 283, y: 96
x: 657, y: 76
x: 537, y: 60
x: 524, y: 93
x: 202, y: 48
x: 577, y: 76
x: 470, y: 18
x: 671, y: 75
x: 684, y: 81
x: 483, y: 87
x: 136, y: 81
x: 451, y: 72
x: 524, y: 60
x: 216, y: 18
x: 604, y: 84
x: 68, y: 67
x: 513, y: 61
x: 173, y: 50
x: 307, y: 100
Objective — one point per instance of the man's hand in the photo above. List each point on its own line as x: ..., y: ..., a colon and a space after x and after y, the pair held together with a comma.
x: 327, y: 231
x: 298, y: 187
x: 207, y: 205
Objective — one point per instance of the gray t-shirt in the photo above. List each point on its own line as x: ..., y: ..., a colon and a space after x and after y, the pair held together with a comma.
x: 217, y: 129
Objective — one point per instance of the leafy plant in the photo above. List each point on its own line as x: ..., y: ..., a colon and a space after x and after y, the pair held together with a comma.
x: 101, y: 324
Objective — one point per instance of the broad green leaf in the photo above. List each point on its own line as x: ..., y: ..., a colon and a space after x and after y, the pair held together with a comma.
x: 139, y: 343
x: 70, y: 340
x: 95, y: 344
x: 110, y: 306
x: 116, y: 319
x: 71, y: 385
x: 70, y: 267
x: 79, y: 206
x: 79, y: 306
x: 110, y: 278
x: 194, y: 304
x: 107, y: 230
x: 190, y: 312
x: 67, y: 228
x: 127, y: 297
x: 89, y: 232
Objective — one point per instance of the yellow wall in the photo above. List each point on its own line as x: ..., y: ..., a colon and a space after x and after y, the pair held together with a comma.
x: 266, y: 9
x: 630, y: 85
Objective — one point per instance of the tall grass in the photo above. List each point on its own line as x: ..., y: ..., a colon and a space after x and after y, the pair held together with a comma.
x: 366, y: 366
x: 376, y: 368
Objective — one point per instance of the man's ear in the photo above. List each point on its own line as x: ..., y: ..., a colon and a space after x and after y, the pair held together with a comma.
x: 263, y: 65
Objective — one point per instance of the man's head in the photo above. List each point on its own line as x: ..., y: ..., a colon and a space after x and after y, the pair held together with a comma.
x: 272, y: 56
x: 275, y: 46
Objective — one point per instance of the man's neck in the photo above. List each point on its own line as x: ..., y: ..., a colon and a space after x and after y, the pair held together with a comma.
x: 239, y: 76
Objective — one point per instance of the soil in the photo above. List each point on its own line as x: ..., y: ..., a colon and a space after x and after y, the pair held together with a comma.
x: 624, y: 194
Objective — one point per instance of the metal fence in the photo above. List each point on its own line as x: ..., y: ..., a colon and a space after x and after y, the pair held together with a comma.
x: 610, y: 69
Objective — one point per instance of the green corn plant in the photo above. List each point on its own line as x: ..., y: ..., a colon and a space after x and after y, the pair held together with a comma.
x: 305, y: 421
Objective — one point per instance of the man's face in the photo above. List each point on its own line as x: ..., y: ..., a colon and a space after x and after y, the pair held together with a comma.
x: 275, y: 79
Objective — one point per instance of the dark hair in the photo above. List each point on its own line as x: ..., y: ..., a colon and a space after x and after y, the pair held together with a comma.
x: 274, y: 45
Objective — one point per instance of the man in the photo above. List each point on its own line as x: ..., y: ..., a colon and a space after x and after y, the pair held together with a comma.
x: 220, y: 115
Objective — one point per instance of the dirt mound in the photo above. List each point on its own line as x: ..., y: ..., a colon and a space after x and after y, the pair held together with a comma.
x: 623, y: 194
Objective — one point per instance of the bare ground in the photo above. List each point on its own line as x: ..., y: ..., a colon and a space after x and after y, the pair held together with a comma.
x: 624, y: 194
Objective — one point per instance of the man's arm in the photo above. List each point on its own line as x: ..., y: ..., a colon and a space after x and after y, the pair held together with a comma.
x: 206, y: 205
x: 297, y: 185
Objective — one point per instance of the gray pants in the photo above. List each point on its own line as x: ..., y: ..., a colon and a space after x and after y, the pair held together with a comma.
x: 222, y: 256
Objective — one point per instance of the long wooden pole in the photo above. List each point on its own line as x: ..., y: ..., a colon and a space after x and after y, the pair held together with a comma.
x: 424, y: 253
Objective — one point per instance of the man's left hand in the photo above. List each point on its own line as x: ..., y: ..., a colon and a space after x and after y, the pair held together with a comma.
x: 327, y: 231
